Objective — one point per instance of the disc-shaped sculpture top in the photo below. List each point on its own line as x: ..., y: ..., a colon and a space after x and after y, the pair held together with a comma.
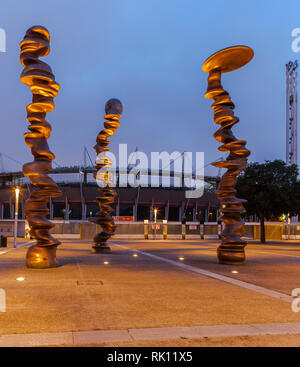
x: 228, y: 59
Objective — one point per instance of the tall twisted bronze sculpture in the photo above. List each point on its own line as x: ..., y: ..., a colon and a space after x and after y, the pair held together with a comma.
x: 231, y: 250
x: 113, y: 112
x: 38, y: 76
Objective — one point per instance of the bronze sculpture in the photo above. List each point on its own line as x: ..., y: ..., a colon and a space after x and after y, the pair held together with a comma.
x: 38, y: 76
x: 231, y: 250
x: 113, y: 112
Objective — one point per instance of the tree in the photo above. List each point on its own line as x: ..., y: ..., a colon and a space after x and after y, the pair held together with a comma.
x: 271, y: 188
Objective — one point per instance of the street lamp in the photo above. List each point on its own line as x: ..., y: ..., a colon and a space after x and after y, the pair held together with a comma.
x: 155, y: 217
x: 17, y: 192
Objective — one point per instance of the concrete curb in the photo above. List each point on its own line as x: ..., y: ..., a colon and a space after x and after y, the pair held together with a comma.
x: 129, y: 335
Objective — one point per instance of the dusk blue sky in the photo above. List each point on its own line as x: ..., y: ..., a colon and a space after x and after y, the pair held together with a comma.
x: 149, y: 54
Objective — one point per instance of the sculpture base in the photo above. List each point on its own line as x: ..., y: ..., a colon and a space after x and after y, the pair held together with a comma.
x: 231, y: 254
x: 101, y: 249
x: 41, y: 257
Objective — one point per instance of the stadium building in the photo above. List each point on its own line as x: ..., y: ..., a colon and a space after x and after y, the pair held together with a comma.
x: 79, y: 191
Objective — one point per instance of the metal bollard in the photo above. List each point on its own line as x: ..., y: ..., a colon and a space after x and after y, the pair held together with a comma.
x: 183, y: 231
x: 165, y: 229
x: 219, y: 228
x: 146, y: 229
x: 202, y: 229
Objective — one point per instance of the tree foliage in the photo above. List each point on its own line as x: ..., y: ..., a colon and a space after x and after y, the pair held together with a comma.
x: 271, y: 188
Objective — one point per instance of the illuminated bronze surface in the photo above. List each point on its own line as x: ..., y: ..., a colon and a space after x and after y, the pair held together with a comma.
x: 113, y: 112
x: 231, y: 250
x: 38, y: 76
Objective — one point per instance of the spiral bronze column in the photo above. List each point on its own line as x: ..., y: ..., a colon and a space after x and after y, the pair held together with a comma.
x: 38, y: 76
x: 113, y: 112
x: 231, y: 250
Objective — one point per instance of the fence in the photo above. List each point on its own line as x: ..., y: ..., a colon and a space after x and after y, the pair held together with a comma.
x: 7, y: 228
x: 177, y: 230
x: 160, y: 230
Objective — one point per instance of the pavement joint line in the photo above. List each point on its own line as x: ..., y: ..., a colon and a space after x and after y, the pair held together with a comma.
x: 240, y: 283
x: 85, y: 288
x: 132, y: 335
x: 15, y: 248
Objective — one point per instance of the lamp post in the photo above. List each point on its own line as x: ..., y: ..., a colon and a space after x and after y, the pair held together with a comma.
x: 289, y: 225
x: 17, y: 192
x: 155, y: 218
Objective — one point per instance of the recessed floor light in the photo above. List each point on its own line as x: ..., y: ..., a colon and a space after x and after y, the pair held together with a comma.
x: 135, y: 255
x: 105, y: 262
x: 20, y: 279
x: 181, y: 258
x: 234, y: 272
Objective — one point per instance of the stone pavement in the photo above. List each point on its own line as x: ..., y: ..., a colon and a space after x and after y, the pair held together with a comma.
x: 152, y: 293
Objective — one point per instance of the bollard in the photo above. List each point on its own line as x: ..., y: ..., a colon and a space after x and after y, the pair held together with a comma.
x: 202, y: 229
x: 165, y: 229
x: 146, y: 229
x: 183, y: 231
x: 183, y: 228
x: 219, y: 228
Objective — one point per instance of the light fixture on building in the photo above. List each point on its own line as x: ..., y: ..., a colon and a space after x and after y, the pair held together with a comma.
x: 155, y: 215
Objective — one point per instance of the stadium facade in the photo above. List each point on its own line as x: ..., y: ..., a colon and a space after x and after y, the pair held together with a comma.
x: 79, y: 191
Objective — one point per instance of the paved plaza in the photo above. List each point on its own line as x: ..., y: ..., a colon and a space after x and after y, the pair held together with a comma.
x: 151, y: 293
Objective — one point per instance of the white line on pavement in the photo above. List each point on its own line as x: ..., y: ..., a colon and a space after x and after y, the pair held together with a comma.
x: 213, y: 247
x: 274, y: 253
x: 240, y: 283
x: 15, y: 248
